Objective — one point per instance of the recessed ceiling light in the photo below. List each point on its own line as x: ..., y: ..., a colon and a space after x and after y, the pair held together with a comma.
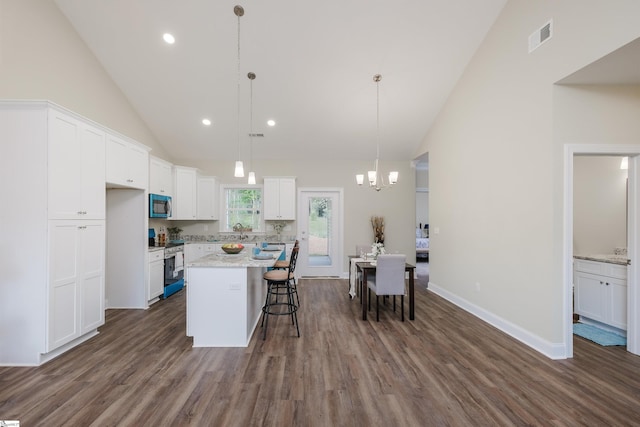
x: 169, y: 38
x: 206, y: 122
x: 271, y: 122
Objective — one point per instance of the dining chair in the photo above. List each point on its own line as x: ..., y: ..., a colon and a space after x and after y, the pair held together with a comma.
x: 388, y: 280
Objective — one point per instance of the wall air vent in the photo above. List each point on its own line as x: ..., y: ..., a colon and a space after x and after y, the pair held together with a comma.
x: 258, y: 135
x: 540, y: 36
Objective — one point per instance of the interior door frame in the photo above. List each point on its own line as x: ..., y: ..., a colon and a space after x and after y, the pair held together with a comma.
x: 339, y: 244
x: 633, y: 239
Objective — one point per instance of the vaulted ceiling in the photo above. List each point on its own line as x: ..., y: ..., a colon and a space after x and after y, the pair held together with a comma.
x: 314, y: 63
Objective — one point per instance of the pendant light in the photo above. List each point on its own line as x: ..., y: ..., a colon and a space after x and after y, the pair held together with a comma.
x: 239, y: 170
x: 376, y: 180
x: 252, y: 175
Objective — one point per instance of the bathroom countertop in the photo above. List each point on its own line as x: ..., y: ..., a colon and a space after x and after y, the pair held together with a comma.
x: 610, y: 258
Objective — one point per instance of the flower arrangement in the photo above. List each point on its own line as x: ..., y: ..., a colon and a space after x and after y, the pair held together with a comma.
x: 377, y: 249
x: 377, y: 223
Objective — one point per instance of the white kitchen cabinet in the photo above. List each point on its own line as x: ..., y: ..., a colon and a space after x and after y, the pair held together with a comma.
x: 211, y: 248
x: 160, y: 177
x: 76, y: 168
x: 184, y: 198
x: 53, y: 165
x: 192, y: 251
x: 279, y: 198
x: 76, y: 286
x: 155, y: 286
x: 127, y: 164
x: 207, y: 198
x: 601, y: 292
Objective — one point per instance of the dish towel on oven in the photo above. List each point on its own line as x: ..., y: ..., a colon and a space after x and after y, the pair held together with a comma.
x: 179, y: 263
x: 353, y: 276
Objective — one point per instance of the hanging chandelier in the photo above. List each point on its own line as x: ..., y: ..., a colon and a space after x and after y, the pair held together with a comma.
x: 239, y: 170
x: 375, y: 178
x: 252, y: 175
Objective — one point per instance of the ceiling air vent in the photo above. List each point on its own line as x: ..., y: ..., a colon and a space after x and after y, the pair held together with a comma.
x: 259, y: 135
x: 540, y: 36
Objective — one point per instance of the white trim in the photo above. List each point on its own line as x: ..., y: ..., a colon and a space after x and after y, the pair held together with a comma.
x: 549, y: 349
x: 633, y: 240
x: 340, y: 242
x: 223, y: 205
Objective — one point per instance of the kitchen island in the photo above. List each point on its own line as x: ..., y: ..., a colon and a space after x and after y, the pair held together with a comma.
x: 225, y: 294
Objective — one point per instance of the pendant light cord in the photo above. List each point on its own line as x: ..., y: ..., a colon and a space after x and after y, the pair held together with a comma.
x: 238, y: 87
x: 377, y: 78
x: 251, y: 76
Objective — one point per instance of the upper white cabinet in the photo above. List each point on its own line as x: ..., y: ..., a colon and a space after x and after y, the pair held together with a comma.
x: 160, y: 177
x: 76, y: 169
x: 601, y: 292
x: 207, y: 198
x: 127, y: 163
x: 184, y: 198
x: 279, y: 198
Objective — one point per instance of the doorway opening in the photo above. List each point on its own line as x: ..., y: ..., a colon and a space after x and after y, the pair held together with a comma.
x: 633, y: 240
x: 320, y: 220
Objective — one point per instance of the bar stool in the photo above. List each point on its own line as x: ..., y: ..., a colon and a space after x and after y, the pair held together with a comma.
x: 284, y: 265
x: 279, y: 284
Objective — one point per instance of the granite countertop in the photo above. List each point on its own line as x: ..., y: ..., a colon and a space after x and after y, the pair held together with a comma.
x: 243, y: 259
x: 610, y: 258
x: 155, y: 248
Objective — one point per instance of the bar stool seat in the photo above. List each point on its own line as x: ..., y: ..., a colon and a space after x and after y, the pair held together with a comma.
x: 280, y: 290
x: 283, y: 264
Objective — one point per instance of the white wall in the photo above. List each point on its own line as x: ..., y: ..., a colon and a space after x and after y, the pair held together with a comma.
x: 496, y: 166
x: 599, y: 205
x: 42, y: 57
x: 396, y: 205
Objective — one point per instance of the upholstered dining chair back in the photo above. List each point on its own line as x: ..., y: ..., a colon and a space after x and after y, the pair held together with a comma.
x: 390, y: 271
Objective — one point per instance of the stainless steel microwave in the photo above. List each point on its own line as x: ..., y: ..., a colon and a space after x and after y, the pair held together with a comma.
x: 159, y: 206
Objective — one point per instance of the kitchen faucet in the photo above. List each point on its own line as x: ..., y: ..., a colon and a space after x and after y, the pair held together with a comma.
x: 239, y: 227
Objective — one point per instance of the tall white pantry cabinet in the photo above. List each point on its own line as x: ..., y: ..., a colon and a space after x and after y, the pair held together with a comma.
x: 52, y: 285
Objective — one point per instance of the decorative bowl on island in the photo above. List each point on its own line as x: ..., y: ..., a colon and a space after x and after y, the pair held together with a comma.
x: 232, y: 248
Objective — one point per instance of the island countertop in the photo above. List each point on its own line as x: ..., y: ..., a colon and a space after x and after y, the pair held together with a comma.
x: 243, y: 259
x: 225, y: 295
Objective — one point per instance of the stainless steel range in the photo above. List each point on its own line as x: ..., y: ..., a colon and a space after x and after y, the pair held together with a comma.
x: 173, y: 268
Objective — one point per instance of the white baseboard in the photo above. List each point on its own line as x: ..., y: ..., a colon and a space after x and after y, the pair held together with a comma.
x: 551, y: 350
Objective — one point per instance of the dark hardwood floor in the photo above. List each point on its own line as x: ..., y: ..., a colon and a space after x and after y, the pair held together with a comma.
x: 444, y: 368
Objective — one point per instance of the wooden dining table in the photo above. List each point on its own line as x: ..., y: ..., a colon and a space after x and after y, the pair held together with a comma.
x: 366, y: 267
